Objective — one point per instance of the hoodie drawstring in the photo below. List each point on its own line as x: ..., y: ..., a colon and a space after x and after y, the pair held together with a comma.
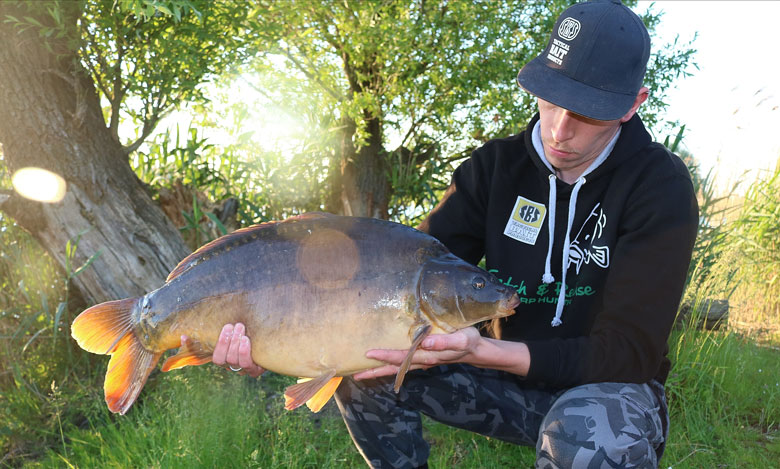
x: 566, y: 248
x: 536, y: 138
x: 548, y: 277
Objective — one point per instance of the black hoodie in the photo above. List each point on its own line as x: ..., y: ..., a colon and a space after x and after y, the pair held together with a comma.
x: 631, y: 239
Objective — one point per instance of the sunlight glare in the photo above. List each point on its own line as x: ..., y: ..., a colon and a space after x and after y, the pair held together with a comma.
x: 39, y: 184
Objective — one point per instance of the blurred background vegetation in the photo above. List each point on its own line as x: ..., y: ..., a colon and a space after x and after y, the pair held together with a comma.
x: 265, y: 124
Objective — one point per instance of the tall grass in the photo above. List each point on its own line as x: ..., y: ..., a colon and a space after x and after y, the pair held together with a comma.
x: 724, y: 388
x: 724, y: 399
x: 757, y: 241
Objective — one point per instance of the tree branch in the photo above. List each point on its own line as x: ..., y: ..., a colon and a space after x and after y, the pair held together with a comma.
x: 313, y: 77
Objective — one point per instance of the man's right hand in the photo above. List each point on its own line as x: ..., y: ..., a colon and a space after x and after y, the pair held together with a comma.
x: 234, y: 350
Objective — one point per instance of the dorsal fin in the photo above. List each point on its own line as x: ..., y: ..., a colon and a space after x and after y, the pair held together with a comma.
x: 243, y: 234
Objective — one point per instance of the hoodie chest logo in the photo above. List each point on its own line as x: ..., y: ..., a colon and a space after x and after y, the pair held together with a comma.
x: 525, y: 221
x: 588, y: 247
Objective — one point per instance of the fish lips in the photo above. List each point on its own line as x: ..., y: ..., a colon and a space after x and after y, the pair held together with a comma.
x: 507, y: 307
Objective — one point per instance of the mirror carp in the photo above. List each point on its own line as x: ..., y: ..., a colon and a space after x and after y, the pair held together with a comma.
x: 315, y: 292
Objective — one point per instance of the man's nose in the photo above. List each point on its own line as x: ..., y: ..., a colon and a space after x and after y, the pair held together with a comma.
x: 563, y: 126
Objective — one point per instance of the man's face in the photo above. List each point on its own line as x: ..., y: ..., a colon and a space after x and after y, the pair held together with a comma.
x: 571, y: 141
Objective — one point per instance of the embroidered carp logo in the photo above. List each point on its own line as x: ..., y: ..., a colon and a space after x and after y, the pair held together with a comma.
x: 585, y: 248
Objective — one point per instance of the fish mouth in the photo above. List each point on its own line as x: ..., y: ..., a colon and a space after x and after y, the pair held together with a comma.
x: 507, y: 307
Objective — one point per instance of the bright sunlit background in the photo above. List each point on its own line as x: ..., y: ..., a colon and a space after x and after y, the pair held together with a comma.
x: 730, y: 105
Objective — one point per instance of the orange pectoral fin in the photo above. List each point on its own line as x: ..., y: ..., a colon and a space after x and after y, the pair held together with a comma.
x: 314, y: 389
x: 192, y: 353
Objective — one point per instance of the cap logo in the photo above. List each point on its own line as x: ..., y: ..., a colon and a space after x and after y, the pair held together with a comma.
x: 569, y: 28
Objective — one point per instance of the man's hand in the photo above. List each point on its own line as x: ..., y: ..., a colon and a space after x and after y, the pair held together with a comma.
x: 462, y: 346
x: 437, y: 349
x: 234, y: 350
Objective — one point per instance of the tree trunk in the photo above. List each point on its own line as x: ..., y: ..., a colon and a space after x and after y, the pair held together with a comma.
x: 361, y: 183
x: 51, y: 118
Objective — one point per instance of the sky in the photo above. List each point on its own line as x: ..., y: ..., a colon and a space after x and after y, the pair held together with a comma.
x: 731, y: 105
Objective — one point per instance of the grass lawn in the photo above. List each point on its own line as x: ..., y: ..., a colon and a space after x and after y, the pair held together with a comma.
x: 724, y: 393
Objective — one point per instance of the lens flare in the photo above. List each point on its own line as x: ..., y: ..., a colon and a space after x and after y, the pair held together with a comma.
x: 39, y: 184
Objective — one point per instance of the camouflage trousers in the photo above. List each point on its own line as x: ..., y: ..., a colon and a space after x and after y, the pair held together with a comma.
x: 602, y: 425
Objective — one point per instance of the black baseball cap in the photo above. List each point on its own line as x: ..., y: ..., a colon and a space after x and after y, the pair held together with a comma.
x: 594, y: 63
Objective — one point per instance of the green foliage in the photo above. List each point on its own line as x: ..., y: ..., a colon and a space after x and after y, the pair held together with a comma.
x: 668, y: 63
x: 147, y: 57
x: 417, y: 180
x: 757, y: 232
x: 41, y: 368
x: 417, y: 76
x: 146, y: 9
x: 267, y: 184
x: 406, y: 77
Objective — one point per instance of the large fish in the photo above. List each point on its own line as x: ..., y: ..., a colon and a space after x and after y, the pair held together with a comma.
x: 315, y: 293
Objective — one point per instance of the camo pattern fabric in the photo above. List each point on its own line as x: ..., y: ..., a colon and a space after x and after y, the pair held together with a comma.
x: 602, y: 425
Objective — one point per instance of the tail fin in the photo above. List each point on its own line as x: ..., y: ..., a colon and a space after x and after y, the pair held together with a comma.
x: 107, y: 329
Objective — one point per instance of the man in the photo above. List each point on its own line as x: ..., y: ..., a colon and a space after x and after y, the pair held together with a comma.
x: 593, y: 224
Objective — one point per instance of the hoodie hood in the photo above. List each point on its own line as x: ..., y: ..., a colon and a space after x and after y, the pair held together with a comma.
x: 633, y: 138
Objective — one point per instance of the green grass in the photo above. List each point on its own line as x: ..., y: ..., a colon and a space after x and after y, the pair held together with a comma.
x: 724, y: 393
x: 724, y: 398
x: 206, y: 417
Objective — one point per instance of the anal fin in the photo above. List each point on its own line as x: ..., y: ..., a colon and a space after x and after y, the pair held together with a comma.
x: 192, y: 353
x: 420, y: 334
x: 298, y: 394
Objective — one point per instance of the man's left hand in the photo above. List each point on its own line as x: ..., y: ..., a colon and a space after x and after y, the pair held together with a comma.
x: 437, y: 349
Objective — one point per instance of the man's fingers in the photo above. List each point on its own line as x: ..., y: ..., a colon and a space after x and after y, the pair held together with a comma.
x: 395, y: 357
x: 232, y: 352
x: 455, y: 341
x: 221, y: 349
x: 387, y: 370
x: 245, y: 353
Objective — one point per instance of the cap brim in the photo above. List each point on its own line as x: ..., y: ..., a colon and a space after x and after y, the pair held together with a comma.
x: 557, y: 88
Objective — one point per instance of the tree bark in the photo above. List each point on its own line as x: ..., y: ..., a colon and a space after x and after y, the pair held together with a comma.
x: 361, y: 183
x: 51, y: 118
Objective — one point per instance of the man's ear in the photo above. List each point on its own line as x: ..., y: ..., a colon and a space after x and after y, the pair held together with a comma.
x: 641, y: 97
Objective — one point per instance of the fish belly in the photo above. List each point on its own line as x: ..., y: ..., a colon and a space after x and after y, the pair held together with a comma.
x: 333, y: 332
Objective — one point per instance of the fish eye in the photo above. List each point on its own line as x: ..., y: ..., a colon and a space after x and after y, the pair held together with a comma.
x: 478, y: 283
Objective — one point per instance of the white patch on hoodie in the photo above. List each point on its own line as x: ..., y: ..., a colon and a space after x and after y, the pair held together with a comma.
x: 526, y: 220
